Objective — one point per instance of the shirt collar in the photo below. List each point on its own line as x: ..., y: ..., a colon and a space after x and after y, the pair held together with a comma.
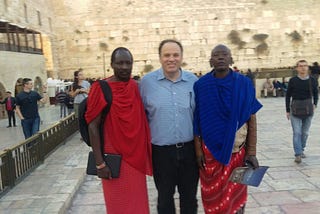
x: 303, y: 78
x: 182, y: 77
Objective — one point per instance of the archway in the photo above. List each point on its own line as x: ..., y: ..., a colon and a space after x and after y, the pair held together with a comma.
x: 19, y: 87
x: 38, y: 85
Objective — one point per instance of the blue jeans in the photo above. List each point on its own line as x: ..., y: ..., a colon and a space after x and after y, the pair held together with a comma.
x: 300, y: 129
x: 30, y: 126
x: 63, y: 110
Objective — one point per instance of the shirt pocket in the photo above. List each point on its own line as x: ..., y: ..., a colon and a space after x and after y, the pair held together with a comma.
x: 185, y: 100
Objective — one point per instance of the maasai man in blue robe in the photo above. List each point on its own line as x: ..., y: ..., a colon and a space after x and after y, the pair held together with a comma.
x: 225, y: 132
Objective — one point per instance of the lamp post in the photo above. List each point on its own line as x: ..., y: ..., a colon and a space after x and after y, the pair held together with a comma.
x: 104, y: 65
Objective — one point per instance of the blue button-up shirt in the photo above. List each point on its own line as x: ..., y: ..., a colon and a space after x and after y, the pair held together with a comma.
x: 169, y: 106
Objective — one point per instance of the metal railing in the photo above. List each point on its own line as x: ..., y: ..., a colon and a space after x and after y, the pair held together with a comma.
x: 18, y: 161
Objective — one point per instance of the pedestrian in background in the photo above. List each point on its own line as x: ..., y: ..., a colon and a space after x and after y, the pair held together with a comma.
x: 301, y: 87
x: 10, y: 103
x: 68, y: 101
x: 60, y: 99
x: 79, y: 90
x: 27, y: 108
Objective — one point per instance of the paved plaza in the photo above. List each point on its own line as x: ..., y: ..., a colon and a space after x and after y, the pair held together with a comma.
x: 61, y: 186
x: 14, y: 135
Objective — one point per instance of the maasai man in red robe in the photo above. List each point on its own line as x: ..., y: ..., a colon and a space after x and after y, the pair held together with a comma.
x: 126, y: 132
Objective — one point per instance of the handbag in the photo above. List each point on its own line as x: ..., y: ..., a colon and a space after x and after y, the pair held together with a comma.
x: 113, y: 161
x: 303, y: 108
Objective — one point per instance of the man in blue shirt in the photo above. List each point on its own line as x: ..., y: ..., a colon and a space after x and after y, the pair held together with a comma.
x: 168, y: 97
x: 10, y: 103
x: 27, y: 108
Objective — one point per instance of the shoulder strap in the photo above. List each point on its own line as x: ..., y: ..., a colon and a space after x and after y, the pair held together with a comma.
x: 108, y: 97
x: 310, y: 86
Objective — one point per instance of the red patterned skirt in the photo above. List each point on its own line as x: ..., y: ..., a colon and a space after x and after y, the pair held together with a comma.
x: 218, y: 194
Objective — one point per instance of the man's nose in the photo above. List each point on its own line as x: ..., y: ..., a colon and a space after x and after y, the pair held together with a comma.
x: 171, y: 58
x: 125, y: 66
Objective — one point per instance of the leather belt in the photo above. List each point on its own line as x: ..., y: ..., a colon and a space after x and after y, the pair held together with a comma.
x: 180, y: 145
x: 177, y: 145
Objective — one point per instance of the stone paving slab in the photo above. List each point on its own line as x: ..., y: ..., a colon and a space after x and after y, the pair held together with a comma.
x: 51, y: 186
x: 287, y: 188
x: 14, y: 135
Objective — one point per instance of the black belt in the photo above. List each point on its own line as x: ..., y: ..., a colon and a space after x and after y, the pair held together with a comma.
x: 177, y: 145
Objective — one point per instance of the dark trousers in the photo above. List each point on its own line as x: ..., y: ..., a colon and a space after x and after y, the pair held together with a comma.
x: 11, y: 116
x: 173, y: 166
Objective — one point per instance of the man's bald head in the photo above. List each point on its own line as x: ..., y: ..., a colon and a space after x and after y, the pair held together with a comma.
x: 221, y: 58
x: 221, y: 47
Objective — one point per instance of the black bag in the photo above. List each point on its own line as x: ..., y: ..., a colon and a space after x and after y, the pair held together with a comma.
x: 112, y: 160
x: 68, y: 101
x: 83, y: 126
x: 302, y: 108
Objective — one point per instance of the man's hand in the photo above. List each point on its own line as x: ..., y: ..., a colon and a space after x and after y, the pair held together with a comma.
x: 199, y: 153
x: 105, y: 172
x: 288, y: 115
x: 252, y: 160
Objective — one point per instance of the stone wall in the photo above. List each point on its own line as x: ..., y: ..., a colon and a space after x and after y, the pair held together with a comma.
x: 261, y: 33
x: 83, y: 33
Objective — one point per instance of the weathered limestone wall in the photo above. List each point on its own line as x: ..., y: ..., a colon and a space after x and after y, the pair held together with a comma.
x: 24, y: 13
x: 20, y: 65
x: 261, y: 33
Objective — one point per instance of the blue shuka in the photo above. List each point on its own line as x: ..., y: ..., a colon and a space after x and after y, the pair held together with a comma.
x: 223, y: 105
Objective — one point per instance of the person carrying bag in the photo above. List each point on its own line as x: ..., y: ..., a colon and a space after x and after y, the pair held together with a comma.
x: 301, y: 100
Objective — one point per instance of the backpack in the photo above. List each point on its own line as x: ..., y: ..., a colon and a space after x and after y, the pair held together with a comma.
x: 68, y: 101
x: 83, y: 126
x: 60, y: 97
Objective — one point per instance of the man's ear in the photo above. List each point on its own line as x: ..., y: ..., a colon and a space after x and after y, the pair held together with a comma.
x: 211, y: 63
x: 231, y: 61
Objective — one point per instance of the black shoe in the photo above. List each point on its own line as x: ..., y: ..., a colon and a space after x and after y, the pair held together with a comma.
x: 9, y: 126
x: 297, y: 159
x: 14, y: 126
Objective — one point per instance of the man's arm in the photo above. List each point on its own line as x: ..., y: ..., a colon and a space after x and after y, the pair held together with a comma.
x: 19, y: 112
x: 288, y: 99
x: 45, y: 95
x: 45, y: 98
x: 315, y: 93
x: 251, y: 142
